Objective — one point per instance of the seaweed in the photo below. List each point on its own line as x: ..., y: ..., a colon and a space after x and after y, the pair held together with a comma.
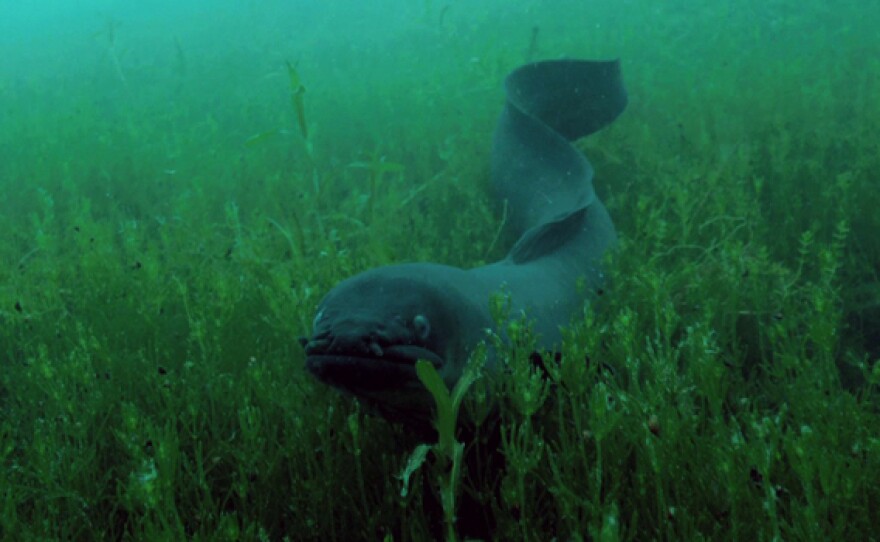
x: 156, y: 273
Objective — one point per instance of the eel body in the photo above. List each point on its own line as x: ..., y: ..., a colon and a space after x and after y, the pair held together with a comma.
x: 371, y: 328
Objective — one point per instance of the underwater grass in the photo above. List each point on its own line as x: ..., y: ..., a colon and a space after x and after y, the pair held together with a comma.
x: 157, y: 269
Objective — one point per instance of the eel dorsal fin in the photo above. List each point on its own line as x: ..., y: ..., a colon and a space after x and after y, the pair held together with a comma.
x: 535, y: 168
x: 546, y: 238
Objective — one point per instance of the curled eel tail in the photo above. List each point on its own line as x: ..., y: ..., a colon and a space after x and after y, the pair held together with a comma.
x: 535, y: 168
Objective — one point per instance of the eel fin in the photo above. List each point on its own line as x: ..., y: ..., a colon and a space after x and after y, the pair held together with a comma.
x: 548, y: 105
x: 547, y: 238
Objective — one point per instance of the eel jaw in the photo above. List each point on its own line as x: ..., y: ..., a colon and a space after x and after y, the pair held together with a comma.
x: 376, y: 371
x: 380, y: 373
x: 389, y: 388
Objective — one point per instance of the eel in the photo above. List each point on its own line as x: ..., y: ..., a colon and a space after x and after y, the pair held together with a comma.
x: 371, y: 328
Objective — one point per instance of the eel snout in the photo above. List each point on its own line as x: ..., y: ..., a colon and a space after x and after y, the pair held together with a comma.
x: 374, y: 345
x: 327, y: 343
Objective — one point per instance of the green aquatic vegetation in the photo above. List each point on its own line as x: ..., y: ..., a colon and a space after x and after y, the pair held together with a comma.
x: 109, y: 34
x: 157, y: 267
x: 297, y: 93
x: 377, y: 167
x: 448, y: 452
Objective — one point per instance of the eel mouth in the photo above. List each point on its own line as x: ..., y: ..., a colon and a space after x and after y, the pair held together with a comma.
x: 389, y: 368
x: 409, y: 354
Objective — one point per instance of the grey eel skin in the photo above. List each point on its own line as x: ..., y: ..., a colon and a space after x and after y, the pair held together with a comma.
x: 371, y: 328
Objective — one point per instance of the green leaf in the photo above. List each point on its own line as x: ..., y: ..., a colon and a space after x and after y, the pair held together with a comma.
x: 416, y: 460
x: 470, y: 375
x: 260, y: 138
x: 445, y: 422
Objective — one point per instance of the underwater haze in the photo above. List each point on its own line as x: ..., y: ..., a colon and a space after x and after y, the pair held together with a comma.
x: 182, y: 182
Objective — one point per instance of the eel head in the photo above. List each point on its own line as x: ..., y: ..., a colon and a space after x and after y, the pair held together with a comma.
x: 371, y: 329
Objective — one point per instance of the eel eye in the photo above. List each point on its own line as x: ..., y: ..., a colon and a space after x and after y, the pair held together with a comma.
x: 422, y: 326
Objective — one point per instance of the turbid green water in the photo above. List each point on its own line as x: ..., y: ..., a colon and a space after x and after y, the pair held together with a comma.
x: 176, y: 200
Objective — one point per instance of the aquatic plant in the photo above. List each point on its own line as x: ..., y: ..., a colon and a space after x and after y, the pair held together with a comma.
x: 156, y: 271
